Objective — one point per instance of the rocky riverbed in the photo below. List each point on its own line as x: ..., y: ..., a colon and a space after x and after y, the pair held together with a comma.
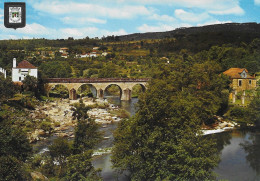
x: 58, y: 114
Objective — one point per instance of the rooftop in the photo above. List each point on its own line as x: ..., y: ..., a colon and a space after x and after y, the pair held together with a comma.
x: 234, y: 73
x: 25, y: 64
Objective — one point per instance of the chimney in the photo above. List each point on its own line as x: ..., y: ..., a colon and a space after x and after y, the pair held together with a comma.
x: 14, y: 63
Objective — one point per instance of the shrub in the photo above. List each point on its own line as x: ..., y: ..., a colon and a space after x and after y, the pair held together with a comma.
x: 46, y: 126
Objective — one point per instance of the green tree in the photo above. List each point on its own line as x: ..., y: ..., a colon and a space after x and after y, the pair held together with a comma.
x: 80, y: 110
x: 59, y: 151
x: 163, y: 140
x: 80, y: 168
x: 86, y: 135
x: 254, y: 110
x: 30, y: 84
x: 109, y: 71
x: 10, y: 168
x: 14, y: 150
x: 86, y: 131
x: 7, y: 89
x: 13, y: 141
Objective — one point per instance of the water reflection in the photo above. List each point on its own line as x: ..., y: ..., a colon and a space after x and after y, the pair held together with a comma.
x: 237, y: 162
x: 126, y: 105
x: 222, y: 140
x: 252, y: 149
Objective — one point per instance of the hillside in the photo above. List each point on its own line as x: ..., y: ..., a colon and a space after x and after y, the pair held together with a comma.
x: 248, y: 29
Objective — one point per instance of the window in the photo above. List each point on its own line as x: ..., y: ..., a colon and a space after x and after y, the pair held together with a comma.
x: 250, y: 82
x: 20, y: 78
x: 239, y: 83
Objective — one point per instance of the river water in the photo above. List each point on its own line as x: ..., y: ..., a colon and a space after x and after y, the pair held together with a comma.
x: 239, y: 152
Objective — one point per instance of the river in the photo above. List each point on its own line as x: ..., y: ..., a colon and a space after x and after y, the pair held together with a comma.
x: 239, y: 152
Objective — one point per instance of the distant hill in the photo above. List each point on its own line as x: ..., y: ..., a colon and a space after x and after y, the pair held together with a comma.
x: 196, y: 39
x: 230, y: 28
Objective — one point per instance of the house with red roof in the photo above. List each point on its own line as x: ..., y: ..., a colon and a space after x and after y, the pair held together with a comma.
x: 240, y: 79
x: 23, y: 69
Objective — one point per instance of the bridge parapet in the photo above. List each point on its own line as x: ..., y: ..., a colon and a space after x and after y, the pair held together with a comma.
x: 94, y: 80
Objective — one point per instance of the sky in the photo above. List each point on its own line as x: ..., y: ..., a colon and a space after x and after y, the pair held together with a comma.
x: 56, y: 19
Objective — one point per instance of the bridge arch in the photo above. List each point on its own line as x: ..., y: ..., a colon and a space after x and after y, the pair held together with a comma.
x: 56, y: 90
x: 87, y: 89
x: 114, y: 92
x: 137, y: 89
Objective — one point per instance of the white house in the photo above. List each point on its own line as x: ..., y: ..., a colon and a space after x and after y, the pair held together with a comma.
x: 64, y: 55
x: 84, y: 55
x: 23, y: 69
x: 3, y: 71
x: 93, y: 54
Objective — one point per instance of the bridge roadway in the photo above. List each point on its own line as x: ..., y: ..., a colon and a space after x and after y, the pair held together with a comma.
x: 100, y: 84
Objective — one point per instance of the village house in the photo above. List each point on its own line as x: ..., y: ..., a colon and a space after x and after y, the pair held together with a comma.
x: 3, y: 71
x: 93, y: 54
x: 84, y: 55
x: 64, y: 55
x: 240, y: 79
x: 23, y: 69
x: 64, y: 50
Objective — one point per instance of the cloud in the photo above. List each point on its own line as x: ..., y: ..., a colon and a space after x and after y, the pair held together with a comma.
x: 78, y: 32
x: 146, y: 28
x: 29, y: 29
x: 91, y: 32
x: 39, y: 31
x: 235, y: 10
x: 94, y: 10
x: 1, y: 15
x: 213, y: 22
x: 116, y: 33
x: 165, y: 18
x: 190, y: 17
x: 34, y: 29
x: 82, y: 20
x: 257, y: 2
x: 207, y: 5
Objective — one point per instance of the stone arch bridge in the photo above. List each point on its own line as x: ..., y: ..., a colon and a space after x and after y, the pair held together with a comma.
x: 100, y: 84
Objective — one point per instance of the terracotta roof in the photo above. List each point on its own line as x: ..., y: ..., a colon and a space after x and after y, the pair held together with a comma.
x: 18, y: 83
x: 25, y: 64
x: 234, y: 73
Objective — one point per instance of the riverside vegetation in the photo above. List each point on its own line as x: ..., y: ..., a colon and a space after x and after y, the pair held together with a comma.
x: 162, y: 141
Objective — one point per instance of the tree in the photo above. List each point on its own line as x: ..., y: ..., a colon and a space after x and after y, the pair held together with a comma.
x: 86, y: 135
x: 163, y: 140
x: 80, y: 168
x: 10, y: 168
x: 109, y: 71
x: 86, y: 131
x: 30, y: 84
x: 80, y: 110
x: 254, y: 110
x: 7, y: 89
x: 59, y: 151
x: 14, y: 150
x: 13, y: 141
